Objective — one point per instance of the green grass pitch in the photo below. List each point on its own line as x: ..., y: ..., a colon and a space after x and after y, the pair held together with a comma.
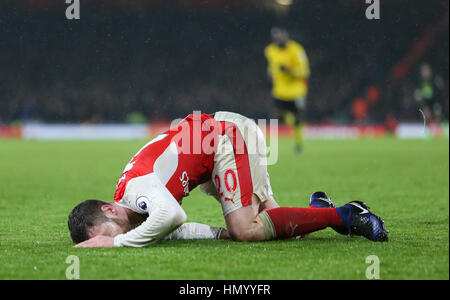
x: 404, y: 181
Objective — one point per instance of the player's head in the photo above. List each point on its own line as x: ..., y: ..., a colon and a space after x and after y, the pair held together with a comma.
x: 95, y: 217
x: 280, y: 36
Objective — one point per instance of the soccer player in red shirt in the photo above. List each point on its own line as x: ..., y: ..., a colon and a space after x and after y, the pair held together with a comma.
x: 224, y: 154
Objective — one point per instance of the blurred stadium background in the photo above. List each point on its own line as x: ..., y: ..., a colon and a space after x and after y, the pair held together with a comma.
x: 146, y: 62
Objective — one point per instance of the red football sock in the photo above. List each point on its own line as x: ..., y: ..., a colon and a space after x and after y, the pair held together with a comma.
x: 293, y: 221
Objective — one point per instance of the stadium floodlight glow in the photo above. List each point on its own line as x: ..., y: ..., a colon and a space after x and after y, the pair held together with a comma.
x: 284, y: 2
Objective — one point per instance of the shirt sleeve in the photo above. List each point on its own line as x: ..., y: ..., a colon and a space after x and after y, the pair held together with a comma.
x: 148, y: 195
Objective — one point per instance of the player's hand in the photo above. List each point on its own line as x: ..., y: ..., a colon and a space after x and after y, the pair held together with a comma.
x: 99, y: 241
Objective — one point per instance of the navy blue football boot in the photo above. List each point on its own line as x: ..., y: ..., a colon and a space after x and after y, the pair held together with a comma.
x: 321, y: 200
x: 356, y: 217
x: 361, y: 222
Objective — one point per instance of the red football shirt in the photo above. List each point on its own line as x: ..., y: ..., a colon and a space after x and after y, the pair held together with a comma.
x: 180, y: 159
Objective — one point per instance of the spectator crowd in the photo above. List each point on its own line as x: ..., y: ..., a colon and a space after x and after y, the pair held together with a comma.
x: 164, y: 63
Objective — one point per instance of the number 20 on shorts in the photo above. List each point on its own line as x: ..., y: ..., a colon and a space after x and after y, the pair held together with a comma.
x: 230, y: 183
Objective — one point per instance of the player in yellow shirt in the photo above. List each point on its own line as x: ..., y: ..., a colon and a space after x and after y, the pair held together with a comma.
x: 288, y: 68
